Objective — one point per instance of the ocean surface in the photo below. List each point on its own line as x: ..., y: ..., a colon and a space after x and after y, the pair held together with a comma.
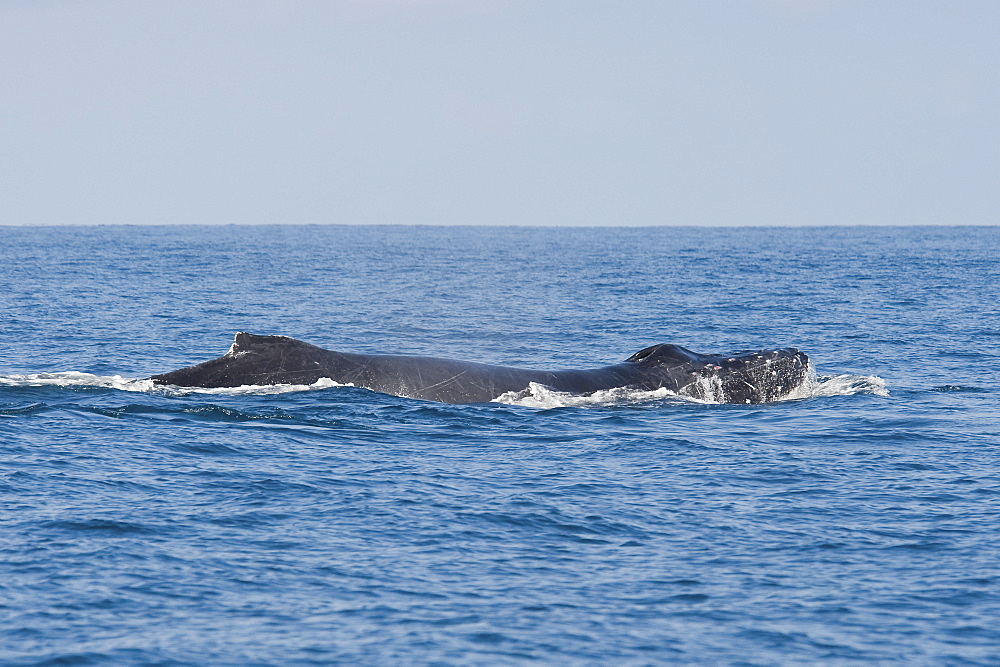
x: 857, y: 523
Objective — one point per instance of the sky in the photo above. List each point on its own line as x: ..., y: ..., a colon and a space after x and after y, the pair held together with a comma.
x: 492, y: 112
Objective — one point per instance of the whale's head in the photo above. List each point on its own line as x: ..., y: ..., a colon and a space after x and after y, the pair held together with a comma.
x: 761, y: 376
x: 749, y: 376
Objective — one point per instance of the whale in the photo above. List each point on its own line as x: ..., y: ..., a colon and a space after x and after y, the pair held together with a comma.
x: 748, y: 376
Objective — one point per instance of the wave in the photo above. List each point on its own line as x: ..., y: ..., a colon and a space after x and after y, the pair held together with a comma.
x: 845, y: 385
x: 534, y: 396
x: 147, y: 386
x: 75, y: 379
x: 540, y: 396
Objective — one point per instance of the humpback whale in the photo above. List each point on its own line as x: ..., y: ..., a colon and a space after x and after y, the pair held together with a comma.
x: 743, y: 377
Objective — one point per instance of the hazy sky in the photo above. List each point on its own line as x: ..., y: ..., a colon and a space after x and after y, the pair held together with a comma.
x: 754, y: 112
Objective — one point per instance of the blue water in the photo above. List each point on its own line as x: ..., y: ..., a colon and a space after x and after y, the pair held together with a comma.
x: 855, y: 524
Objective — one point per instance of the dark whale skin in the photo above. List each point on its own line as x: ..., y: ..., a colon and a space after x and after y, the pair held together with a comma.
x: 744, y: 377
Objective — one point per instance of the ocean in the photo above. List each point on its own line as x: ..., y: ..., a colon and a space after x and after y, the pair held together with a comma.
x: 856, y: 523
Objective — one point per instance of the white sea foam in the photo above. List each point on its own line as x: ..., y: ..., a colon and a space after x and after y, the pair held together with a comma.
x: 540, y: 396
x: 250, y: 389
x: 77, y: 379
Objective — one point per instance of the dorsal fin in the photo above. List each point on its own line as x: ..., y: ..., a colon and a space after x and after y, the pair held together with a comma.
x: 664, y: 352
x: 244, y: 342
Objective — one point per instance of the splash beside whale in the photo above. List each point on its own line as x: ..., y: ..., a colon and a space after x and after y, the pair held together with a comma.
x: 744, y: 377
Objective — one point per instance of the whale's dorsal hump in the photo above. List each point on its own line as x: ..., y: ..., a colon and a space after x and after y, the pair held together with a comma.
x: 664, y: 353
